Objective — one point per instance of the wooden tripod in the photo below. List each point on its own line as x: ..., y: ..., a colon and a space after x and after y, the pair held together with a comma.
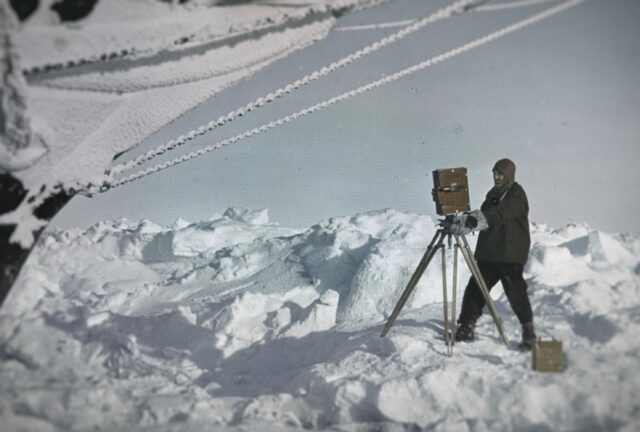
x: 449, y: 325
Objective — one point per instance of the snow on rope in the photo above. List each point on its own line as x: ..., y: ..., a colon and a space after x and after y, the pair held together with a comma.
x: 511, y: 5
x: 375, y: 26
x: 261, y: 101
x: 394, y: 77
x: 485, y: 8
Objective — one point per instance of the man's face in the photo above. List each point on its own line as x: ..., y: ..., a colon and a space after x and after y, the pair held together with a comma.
x: 498, y: 178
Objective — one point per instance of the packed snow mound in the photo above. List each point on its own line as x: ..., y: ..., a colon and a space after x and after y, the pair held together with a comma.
x: 237, y: 322
x: 254, y: 217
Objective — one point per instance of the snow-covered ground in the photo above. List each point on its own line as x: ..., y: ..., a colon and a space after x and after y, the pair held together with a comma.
x: 237, y: 323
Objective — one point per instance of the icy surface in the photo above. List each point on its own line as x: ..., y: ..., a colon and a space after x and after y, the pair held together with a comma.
x: 238, y: 323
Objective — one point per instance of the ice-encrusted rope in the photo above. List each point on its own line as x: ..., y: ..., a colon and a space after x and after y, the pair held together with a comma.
x: 261, y: 101
x: 479, y: 8
x: 510, y: 5
x: 410, y: 70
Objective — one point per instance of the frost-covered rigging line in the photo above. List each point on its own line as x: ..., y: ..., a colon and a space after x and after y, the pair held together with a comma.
x: 396, y: 76
x: 261, y: 101
x: 480, y: 8
x: 376, y: 26
x: 511, y: 5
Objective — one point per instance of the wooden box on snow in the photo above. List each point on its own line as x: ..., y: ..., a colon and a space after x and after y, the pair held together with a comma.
x: 451, y: 191
x: 547, y: 356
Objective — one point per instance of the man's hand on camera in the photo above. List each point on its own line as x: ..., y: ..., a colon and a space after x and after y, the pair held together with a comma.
x: 479, y: 220
x: 466, y: 223
x: 462, y: 225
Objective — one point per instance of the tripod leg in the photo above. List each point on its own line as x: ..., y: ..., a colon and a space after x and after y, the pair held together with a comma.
x: 447, y: 335
x: 454, y: 288
x: 428, y: 255
x: 475, y: 271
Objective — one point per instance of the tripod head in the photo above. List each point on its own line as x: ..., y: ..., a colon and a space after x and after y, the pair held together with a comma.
x: 450, y: 224
x: 447, y: 223
x: 459, y: 224
x: 446, y: 226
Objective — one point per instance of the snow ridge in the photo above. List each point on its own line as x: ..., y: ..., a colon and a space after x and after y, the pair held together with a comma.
x: 241, y: 323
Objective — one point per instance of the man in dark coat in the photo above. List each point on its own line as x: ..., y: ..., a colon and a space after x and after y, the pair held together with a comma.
x: 501, y: 252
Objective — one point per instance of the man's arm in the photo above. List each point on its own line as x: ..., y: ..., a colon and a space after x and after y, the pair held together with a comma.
x: 514, y: 204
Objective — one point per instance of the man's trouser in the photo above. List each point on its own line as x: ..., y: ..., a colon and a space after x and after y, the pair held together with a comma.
x: 514, y: 285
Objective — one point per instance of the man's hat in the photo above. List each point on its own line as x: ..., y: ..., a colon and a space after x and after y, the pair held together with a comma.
x: 507, y: 168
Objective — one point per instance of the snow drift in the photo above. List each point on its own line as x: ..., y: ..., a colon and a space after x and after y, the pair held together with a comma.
x: 239, y: 323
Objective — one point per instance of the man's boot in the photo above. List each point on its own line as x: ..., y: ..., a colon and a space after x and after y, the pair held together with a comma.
x: 465, y: 331
x: 528, y: 336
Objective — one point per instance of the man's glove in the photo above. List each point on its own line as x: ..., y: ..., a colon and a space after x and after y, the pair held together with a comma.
x: 462, y: 224
x: 465, y: 223
x: 479, y: 220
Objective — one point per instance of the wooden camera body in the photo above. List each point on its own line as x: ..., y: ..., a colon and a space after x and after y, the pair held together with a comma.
x: 451, y: 191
